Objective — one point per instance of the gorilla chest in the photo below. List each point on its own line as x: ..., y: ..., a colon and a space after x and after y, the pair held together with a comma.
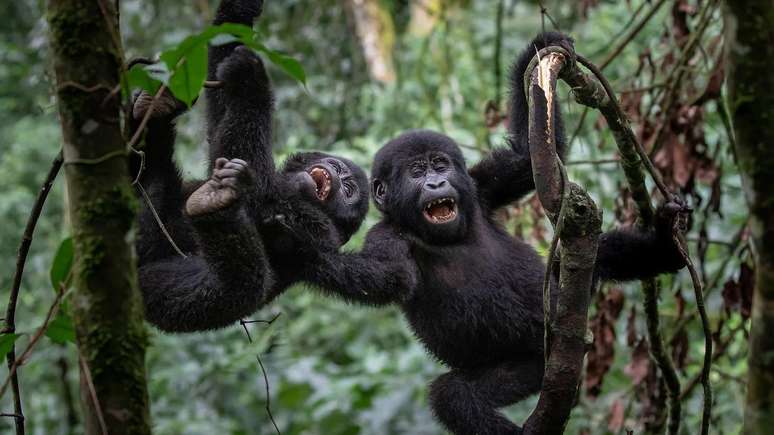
x: 466, y: 312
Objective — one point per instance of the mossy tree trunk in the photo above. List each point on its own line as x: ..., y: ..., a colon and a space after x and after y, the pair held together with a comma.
x: 376, y: 33
x: 750, y: 66
x: 106, y: 304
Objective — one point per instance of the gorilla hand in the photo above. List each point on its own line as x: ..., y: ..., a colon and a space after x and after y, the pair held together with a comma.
x: 673, y: 214
x: 165, y: 108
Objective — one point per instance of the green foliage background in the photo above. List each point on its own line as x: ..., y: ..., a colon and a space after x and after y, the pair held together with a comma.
x: 333, y: 368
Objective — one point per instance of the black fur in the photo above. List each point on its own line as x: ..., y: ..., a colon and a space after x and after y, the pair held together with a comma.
x: 472, y: 293
x: 240, y: 257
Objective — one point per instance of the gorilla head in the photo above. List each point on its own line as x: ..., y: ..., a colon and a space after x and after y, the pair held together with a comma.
x: 420, y: 182
x: 337, y: 185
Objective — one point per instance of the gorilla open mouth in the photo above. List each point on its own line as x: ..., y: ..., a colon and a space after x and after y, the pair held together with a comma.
x: 441, y: 210
x: 322, y: 181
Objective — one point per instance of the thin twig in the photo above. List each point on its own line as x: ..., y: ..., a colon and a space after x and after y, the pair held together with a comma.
x: 34, y: 340
x: 707, y: 366
x: 631, y: 35
x: 92, y: 392
x: 156, y: 216
x: 497, y: 51
x: 244, y: 324
x: 268, y: 394
x: 678, y: 72
x: 21, y: 260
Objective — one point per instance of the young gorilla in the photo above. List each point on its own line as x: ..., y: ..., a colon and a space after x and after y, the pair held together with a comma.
x: 249, y: 231
x: 471, y: 293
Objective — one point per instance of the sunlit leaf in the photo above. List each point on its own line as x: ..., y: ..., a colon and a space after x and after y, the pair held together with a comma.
x: 63, y: 263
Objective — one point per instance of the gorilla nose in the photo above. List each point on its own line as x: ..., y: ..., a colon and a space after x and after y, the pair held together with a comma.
x: 435, y: 183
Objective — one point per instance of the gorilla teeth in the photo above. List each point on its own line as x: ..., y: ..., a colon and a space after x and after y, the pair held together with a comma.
x: 441, y: 210
x: 322, y: 181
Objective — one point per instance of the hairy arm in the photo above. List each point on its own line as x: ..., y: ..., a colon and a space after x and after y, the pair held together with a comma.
x: 161, y: 180
x: 382, y: 273
x: 506, y: 174
x: 629, y: 253
x: 229, y: 11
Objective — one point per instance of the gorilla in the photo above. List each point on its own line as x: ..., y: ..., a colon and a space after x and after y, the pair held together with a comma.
x: 471, y: 293
x: 249, y: 231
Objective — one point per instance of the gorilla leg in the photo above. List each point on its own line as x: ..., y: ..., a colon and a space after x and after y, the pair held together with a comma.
x: 466, y: 401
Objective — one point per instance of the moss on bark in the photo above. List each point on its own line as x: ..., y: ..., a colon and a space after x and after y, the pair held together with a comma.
x: 750, y: 66
x: 107, y: 308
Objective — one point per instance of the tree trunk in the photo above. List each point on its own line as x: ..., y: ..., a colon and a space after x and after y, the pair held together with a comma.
x: 106, y: 303
x: 750, y: 66
x: 376, y: 33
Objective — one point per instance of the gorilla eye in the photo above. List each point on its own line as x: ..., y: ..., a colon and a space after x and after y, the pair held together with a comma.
x: 440, y: 164
x: 349, y: 188
x: 417, y: 169
x: 336, y: 165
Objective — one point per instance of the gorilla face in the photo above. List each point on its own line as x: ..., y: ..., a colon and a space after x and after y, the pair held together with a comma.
x: 338, y: 186
x: 425, y: 189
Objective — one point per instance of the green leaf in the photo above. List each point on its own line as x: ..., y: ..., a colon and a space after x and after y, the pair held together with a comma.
x: 63, y: 263
x: 61, y: 329
x: 291, y: 66
x: 140, y: 77
x: 6, y: 343
x: 249, y: 37
x: 187, y: 64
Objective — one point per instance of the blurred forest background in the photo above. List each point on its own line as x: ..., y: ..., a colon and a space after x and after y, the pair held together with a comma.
x: 440, y: 64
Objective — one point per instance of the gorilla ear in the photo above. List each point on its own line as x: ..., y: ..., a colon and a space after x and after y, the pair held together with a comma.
x: 378, y: 191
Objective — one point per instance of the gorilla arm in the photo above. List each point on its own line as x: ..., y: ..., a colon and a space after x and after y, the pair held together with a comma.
x: 505, y: 175
x: 229, y: 11
x: 382, y: 273
x: 627, y: 254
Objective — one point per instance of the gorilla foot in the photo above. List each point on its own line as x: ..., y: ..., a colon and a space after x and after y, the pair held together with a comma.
x: 221, y: 190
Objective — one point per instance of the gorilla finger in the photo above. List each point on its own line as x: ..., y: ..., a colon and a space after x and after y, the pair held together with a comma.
x: 236, y: 166
x: 220, y: 162
x: 227, y: 173
x: 239, y: 162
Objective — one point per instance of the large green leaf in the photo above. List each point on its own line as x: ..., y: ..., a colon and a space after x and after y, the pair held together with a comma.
x: 6, y: 343
x: 188, y: 66
x: 61, y: 329
x: 63, y: 263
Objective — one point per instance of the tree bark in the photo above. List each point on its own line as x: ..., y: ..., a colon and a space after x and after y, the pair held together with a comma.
x: 750, y: 62
x: 578, y: 223
x: 106, y: 303
x: 376, y: 33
